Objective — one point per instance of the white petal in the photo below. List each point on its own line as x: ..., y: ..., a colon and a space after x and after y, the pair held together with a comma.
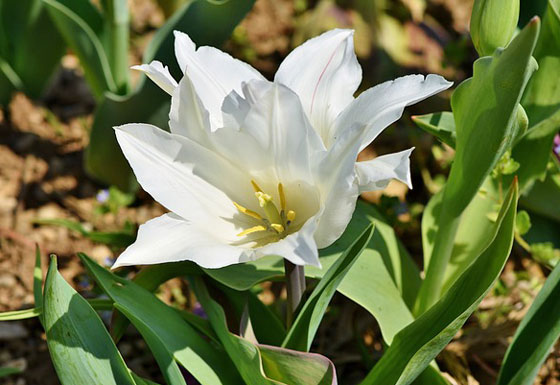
x: 214, y: 73
x: 187, y: 116
x: 325, y: 73
x: 273, y: 135
x: 159, y: 75
x: 299, y: 248
x: 376, y: 174
x: 378, y: 107
x: 339, y: 187
x: 185, y: 177
x: 169, y: 238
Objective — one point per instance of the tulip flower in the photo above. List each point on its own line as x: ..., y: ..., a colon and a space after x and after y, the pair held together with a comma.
x: 253, y: 168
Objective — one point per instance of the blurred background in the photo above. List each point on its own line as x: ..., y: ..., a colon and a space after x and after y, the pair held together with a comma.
x: 44, y: 134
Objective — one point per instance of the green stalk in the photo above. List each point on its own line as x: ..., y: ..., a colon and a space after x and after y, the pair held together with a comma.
x: 117, y: 19
x: 430, y: 291
x: 295, y: 286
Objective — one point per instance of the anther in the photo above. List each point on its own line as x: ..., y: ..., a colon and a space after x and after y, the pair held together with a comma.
x: 290, y: 216
x: 282, y: 196
x: 278, y: 227
x: 256, y: 186
x: 246, y: 211
x: 251, y: 230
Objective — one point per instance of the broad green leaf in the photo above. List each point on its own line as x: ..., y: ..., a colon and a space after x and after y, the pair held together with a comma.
x: 261, y: 364
x: 164, y: 357
x: 31, y: 35
x: 164, y: 330
x: 535, y: 336
x: 473, y: 234
x: 81, y: 349
x: 415, y: 346
x: 301, y: 334
x: 542, y: 102
x: 150, y: 278
x: 486, y: 110
x: 440, y: 124
x: 207, y: 22
x: 244, y: 354
x: 293, y: 367
x: 116, y: 27
x: 85, y: 43
x: 543, y: 198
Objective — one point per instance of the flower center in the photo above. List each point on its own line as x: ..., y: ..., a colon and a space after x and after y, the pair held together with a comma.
x: 275, y: 222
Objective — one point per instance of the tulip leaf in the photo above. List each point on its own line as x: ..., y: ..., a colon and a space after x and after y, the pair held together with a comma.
x: 85, y: 42
x: 81, y: 348
x: 473, y: 234
x: 31, y: 35
x: 7, y: 371
x: 487, y: 117
x: 113, y: 238
x: 301, y: 334
x: 543, y: 198
x: 414, y: 347
x: 164, y: 330
x: 207, y: 23
x: 542, y: 102
x: 263, y: 364
x: 439, y: 124
x: 293, y: 367
x: 20, y: 314
x: 535, y: 336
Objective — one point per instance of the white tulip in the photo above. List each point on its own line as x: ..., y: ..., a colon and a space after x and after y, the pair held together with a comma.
x: 254, y: 168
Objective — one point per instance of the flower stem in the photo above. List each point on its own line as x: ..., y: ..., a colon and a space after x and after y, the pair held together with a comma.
x: 295, y: 286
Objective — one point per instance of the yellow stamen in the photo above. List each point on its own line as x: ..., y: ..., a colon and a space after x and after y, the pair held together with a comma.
x: 282, y: 196
x: 291, y: 215
x: 279, y: 228
x: 246, y: 211
x: 254, y: 229
x: 256, y: 186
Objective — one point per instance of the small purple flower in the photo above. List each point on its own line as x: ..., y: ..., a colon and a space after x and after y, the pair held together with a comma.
x: 556, y: 146
x: 102, y: 196
x: 199, y: 310
x: 108, y: 261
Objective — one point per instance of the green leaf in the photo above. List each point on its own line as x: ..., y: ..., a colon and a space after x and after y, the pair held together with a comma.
x: 115, y: 238
x: 207, y: 22
x: 293, y: 367
x: 415, y: 346
x: 301, y: 334
x: 169, y: 337
x: 20, y: 314
x: 6, y: 371
x: 439, y: 124
x: 85, y: 42
x: 243, y: 353
x: 542, y: 102
x: 81, y: 349
x: 38, y: 278
x: 484, y: 106
x: 261, y: 364
x: 535, y: 336
x: 542, y: 198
